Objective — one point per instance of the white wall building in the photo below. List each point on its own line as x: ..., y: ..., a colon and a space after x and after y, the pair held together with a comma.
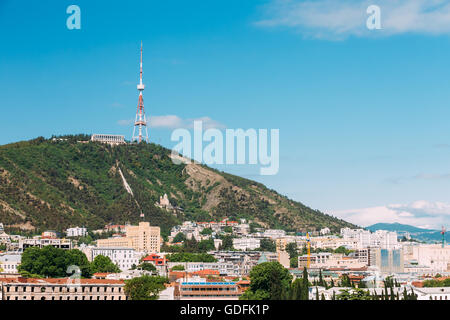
x: 76, y: 232
x: 9, y: 263
x: 124, y: 258
x: 245, y: 244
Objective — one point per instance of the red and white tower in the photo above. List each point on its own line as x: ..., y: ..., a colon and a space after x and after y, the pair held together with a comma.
x: 141, y: 122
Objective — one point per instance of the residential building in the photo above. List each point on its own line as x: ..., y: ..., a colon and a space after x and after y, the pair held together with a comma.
x: 61, y: 289
x: 40, y: 243
x: 124, y: 258
x: 246, y: 244
x: 143, y: 238
x: 76, y: 232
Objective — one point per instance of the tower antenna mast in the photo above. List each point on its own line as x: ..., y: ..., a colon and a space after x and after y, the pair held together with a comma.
x: 140, y: 122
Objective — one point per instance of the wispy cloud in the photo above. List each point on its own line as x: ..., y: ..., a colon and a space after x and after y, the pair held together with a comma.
x: 420, y: 176
x: 331, y: 19
x: 174, y: 122
x: 421, y: 213
x: 126, y: 122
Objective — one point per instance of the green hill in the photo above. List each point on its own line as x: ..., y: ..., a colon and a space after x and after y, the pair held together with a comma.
x: 55, y: 184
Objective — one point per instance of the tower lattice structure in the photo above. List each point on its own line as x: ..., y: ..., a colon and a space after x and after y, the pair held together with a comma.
x: 140, y: 122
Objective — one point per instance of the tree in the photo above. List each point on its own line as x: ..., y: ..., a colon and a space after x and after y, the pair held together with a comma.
x: 103, y: 264
x: 291, y: 249
x: 267, y: 245
x: 227, y: 243
x: 206, y: 245
x: 305, y: 285
x: 293, y: 262
x: 53, y: 262
x: 145, y: 287
x: 228, y: 229
x: 206, y: 231
x: 354, y: 294
x: 147, y: 266
x: 268, y: 281
x: 178, y: 267
x: 180, y: 237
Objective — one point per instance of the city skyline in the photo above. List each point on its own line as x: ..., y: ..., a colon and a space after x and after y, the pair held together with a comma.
x: 362, y: 116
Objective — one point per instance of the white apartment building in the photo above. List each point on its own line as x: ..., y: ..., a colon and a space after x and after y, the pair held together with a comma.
x: 9, y: 263
x: 326, y: 260
x: 76, y: 232
x: 246, y: 244
x: 40, y: 243
x: 274, y: 233
x: 433, y: 256
x: 364, y: 238
x: 108, y: 138
x: 124, y: 258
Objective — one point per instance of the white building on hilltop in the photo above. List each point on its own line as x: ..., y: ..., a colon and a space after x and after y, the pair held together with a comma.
x: 108, y: 138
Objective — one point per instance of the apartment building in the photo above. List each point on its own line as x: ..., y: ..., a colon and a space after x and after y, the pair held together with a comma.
x: 40, y: 243
x: 61, y: 289
x: 124, y: 258
x: 143, y: 238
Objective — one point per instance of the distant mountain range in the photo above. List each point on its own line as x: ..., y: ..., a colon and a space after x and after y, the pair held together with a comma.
x: 425, y: 235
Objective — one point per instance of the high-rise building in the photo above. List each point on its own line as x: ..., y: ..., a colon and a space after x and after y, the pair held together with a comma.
x: 142, y: 237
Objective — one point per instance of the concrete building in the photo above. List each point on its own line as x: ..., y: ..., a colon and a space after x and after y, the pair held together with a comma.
x: 143, y: 238
x: 61, y: 289
x: 9, y: 263
x: 124, y: 258
x: 433, y: 256
x: 208, y: 291
x: 389, y: 261
x: 108, y: 138
x: 40, y: 243
x: 326, y: 260
x: 246, y: 244
x: 76, y: 232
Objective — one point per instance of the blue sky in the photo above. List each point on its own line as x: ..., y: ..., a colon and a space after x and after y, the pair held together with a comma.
x: 363, y: 115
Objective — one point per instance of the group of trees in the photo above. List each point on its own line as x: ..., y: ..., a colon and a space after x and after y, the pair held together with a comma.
x: 189, y: 245
x: 54, y: 263
x: 145, y: 287
x: 271, y: 281
x: 436, y: 283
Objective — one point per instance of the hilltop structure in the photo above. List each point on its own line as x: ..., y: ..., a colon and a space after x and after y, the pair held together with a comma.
x: 141, y: 121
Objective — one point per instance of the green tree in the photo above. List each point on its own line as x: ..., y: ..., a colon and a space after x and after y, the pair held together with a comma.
x: 103, y: 264
x: 53, y: 262
x: 206, y: 231
x: 180, y: 237
x: 227, y: 243
x: 145, y: 287
x: 293, y: 262
x: 354, y: 294
x: 292, y: 250
x: 267, y: 245
x: 305, y: 285
x: 268, y: 281
x: 178, y: 267
x: 147, y: 266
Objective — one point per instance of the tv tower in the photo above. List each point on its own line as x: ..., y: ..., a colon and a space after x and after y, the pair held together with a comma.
x: 141, y: 122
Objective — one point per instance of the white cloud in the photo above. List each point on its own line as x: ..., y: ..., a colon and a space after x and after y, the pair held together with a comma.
x: 419, y: 213
x: 126, y: 122
x: 339, y: 19
x: 174, y: 122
